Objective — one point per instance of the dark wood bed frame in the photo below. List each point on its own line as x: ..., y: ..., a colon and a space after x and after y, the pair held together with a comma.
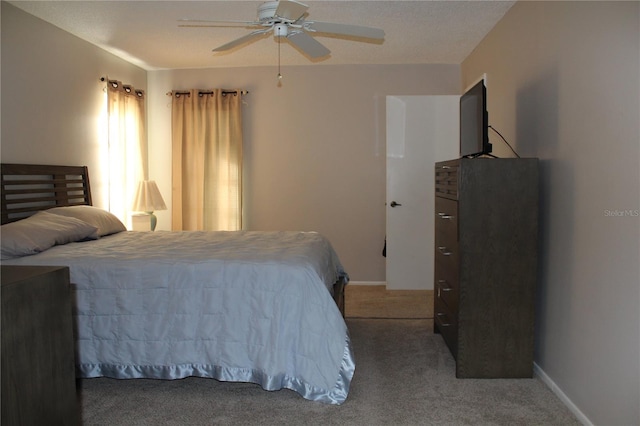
x: 30, y: 188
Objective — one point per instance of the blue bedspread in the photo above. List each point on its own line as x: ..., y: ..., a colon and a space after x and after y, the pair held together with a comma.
x: 233, y: 306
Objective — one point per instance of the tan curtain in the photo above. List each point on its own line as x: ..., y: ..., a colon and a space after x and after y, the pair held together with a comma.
x: 207, y: 160
x: 127, y: 146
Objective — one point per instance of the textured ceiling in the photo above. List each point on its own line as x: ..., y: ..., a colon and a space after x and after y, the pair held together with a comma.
x: 146, y: 33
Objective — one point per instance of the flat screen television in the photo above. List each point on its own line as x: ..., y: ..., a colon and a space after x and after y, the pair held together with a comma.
x: 474, y: 125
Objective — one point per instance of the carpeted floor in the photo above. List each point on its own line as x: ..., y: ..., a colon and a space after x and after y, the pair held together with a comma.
x: 405, y: 375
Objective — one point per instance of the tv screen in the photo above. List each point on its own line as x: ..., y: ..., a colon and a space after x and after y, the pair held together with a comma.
x: 474, y: 126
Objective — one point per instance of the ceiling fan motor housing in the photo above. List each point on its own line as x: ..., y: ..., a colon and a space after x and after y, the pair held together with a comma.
x: 267, y: 10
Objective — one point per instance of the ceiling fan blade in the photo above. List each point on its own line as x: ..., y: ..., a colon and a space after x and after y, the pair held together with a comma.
x: 242, y: 40
x: 345, y: 29
x: 291, y: 9
x: 308, y: 44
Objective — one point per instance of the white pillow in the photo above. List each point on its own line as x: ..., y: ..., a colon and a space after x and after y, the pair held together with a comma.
x: 106, y: 222
x: 41, y: 231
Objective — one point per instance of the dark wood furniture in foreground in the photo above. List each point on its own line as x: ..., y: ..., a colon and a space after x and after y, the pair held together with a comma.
x: 486, y: 228
x: 38, y: 372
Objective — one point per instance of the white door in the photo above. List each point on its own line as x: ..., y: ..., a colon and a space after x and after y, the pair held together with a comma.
x: 421, y: 130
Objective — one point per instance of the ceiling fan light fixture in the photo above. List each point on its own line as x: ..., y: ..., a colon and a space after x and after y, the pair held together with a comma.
x: 280, y: 30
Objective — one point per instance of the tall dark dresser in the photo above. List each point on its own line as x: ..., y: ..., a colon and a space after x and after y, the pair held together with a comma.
x: 486, y: 248
x: 38, y: 371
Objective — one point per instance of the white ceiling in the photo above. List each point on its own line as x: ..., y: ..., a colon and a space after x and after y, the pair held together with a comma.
x: 146, y: 32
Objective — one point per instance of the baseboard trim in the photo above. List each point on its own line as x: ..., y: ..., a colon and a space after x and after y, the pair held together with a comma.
x: 384, y: 283
x: 582, y: 418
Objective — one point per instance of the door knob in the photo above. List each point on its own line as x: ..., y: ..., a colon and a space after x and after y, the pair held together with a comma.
x: 394, y: 204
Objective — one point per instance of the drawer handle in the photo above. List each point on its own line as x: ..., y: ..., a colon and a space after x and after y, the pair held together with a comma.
x: 444, y: 285
x: 444, y: 251
x: 442, y: 215
x: 442, y: 322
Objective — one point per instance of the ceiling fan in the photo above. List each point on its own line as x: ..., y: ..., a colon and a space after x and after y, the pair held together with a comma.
x: 287, y: 18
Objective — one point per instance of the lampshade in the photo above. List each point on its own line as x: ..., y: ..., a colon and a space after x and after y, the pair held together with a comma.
x: 148, y: 198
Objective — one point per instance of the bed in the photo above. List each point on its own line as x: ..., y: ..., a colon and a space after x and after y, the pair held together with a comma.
x: 259, y: 307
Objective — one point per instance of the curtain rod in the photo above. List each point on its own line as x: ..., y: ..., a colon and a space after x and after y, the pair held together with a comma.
x: 207, y: 92
x: 127, y: 87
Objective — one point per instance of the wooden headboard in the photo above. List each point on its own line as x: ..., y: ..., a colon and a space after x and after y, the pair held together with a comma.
x: 29, y: 188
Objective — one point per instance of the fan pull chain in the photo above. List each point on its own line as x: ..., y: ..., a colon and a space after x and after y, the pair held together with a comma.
x: 279, y: 75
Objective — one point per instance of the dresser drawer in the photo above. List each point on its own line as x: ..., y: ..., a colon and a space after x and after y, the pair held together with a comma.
x: 446, y: 287
x: 446, y: 256
x: 446, y: 217
x: 447, y: 324
x: 446, y: 179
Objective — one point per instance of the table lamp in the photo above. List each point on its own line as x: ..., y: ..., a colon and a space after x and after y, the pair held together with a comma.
x: 148, y: 200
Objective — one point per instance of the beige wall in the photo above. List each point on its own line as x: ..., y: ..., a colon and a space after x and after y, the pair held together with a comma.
x: 52, y: 96
x: 563, y: 85
x: 314, y: 148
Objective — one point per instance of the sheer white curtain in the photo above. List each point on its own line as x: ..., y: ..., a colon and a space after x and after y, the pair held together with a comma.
x: 127, y: 147
x: 207, y: 160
